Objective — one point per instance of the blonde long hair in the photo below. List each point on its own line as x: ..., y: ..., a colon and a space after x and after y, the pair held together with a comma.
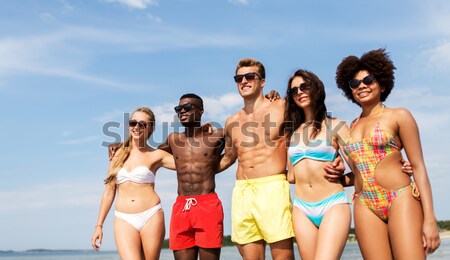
x: 124, y: 151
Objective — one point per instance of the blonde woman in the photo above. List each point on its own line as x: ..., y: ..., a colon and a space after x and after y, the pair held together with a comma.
x: 139, y: 220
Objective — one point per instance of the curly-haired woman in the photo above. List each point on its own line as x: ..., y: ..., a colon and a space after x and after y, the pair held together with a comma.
x: 392, y: 221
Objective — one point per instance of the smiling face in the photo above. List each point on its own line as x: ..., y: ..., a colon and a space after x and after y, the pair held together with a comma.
x: 366, y: 94
x: 141, y: 126
x: 300, y: 93
x: 190, y: 112
x: 248, y: 88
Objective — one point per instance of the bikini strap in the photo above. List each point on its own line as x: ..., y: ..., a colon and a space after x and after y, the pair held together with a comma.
x: 354, y: 123
x: 379, y: 118
x: 380, y: 114
x: 381, y: 111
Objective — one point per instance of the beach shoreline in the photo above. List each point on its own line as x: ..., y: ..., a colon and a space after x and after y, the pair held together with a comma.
x: 444, y: 234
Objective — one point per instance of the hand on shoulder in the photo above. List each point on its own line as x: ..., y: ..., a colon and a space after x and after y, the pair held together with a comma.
x: 112, y: 149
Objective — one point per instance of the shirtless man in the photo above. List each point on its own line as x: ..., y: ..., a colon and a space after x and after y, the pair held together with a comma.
x: 197, y: 154
x: 261, y: 206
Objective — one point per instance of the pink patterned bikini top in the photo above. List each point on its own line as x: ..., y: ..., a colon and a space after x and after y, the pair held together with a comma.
x: 370, y: 150
x: 140, y: 174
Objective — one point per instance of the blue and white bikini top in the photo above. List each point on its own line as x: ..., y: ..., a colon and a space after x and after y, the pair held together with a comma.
x: 316, y: 150
x: 140, y: 174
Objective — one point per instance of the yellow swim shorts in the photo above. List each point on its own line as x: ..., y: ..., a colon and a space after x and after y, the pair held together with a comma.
x: 261, y: 209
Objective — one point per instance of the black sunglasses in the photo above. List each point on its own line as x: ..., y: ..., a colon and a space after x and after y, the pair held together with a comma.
x: 248, y: 76
x: 304, y: 87
x: 133, y: 123
x: 187, y: 107
x: 368, y: 80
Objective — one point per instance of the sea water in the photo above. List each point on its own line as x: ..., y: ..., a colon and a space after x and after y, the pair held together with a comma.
x: 351, y: 252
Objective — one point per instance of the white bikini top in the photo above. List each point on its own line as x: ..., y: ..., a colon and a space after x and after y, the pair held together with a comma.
x: 140, y: 174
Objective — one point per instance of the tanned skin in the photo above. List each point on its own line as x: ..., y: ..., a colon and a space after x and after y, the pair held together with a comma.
x: 197, y: 154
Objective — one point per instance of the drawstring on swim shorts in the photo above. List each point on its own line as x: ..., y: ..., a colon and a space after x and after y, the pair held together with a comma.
x: 251, y: 185
x: 189, y: 202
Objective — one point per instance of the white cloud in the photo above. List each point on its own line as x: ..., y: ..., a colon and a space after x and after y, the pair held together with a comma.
x: 47, y: 54
x: 137, y: 4
x: 218, y: 109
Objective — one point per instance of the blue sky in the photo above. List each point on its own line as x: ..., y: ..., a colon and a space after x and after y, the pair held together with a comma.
x: 68, y: 69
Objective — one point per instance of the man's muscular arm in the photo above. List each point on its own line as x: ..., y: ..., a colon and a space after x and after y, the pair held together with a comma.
x: 166, y: 146
x: 230, y: 155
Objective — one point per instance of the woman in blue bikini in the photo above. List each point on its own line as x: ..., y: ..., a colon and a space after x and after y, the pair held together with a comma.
x: 321, y: 213
x: 139, y: 220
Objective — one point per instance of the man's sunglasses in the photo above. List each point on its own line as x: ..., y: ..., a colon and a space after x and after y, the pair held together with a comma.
x: 368, y: 80
x: 187, y: 107
x: 141, y: 124
x: 248, y: 76
x: 304, y: 88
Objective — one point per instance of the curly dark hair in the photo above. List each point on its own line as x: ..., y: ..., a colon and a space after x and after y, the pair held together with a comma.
x: 376, y: 62
x: 294, y: 116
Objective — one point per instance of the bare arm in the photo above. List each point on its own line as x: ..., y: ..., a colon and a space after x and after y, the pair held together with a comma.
x: 230, y: 155
x: 165, y: 146
x: 164, y: 159
x: 107, y: 200
x: 409, y: 136
x: 335, y: 171
x: 290, y: 171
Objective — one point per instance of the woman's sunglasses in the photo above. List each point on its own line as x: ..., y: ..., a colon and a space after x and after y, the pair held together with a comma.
x: 133, y: 123
x: 304, y: 88
x: 248, y: 76
x: 187, y: 107
x: 368, y: 80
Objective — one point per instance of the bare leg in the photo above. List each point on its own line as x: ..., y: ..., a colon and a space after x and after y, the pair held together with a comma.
x: 186, y: 254
x: 128, y: 240
x: 282, y: 250
x: 252, y: 251
x: 209, y: 253
x: 305, y: 234
x: 372, y: 234
x: 152, y: 236
x: 333, y: 232
x: 405, y: 227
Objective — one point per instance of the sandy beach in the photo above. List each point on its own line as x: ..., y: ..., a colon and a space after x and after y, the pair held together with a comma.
x: 444, y: 234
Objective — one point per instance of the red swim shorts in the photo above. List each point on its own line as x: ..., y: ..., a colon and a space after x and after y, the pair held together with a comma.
x: 196, y: 221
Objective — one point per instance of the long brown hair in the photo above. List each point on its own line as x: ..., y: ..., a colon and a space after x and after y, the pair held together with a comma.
x: 124, y: 151
x: 294, y: 116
